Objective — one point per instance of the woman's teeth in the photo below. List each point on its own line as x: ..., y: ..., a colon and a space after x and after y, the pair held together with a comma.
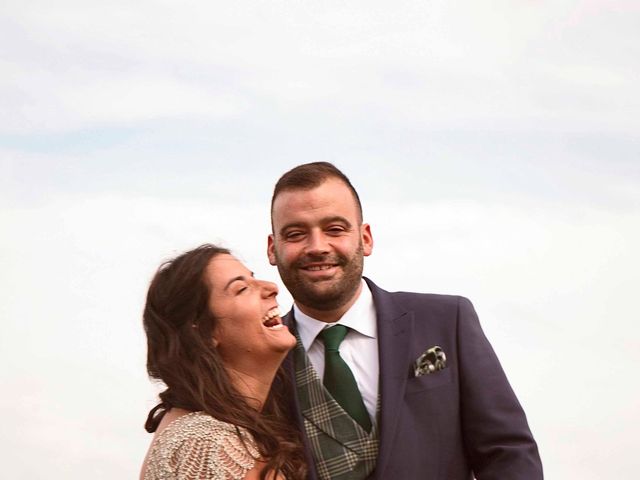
x: 272, y: 319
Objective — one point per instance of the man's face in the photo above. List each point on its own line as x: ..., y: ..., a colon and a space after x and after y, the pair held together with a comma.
x: 318, y: 244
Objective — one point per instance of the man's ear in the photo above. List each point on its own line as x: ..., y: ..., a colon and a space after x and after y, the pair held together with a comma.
x: 271, y: 250
x: 367, y: 239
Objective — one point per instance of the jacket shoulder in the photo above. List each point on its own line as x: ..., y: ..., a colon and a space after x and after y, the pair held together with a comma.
x: 428, y: 298
x: 413, y: 300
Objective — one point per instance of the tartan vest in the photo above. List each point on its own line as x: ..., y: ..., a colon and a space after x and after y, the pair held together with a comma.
x: 341, y: 448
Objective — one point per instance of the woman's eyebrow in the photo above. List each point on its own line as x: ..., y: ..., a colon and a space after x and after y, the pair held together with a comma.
x: 236, y: 279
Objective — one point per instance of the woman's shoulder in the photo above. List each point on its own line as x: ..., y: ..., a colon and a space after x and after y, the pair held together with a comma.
x: 197, y: 425
x: 198, y: 442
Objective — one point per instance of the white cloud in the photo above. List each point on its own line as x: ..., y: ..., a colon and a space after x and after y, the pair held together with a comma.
x: 435, y: 65
x: 80, y: 99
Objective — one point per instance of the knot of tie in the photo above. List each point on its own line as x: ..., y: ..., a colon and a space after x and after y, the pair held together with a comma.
x: 333, y: 337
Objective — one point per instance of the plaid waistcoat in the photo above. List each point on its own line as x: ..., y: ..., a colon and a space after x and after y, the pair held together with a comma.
x: 342, y: 449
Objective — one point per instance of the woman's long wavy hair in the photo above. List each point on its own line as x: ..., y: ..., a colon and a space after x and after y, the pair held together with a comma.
x: 186, y: 361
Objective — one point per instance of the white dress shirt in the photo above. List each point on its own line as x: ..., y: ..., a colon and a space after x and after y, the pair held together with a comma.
x: 359, y: 349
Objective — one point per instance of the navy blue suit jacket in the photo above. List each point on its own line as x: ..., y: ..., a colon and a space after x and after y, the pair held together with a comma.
x: 454, y: 424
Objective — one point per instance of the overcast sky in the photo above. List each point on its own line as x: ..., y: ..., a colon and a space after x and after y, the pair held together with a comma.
x: 496, y: 147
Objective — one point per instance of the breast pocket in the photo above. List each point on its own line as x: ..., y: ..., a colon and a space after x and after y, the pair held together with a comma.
x: 429, y: 382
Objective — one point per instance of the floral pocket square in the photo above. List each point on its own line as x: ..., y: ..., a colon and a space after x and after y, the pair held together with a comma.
x: 432, y: 360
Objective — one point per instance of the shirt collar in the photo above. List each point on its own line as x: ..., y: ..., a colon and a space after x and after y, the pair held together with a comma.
x: 361, y: 317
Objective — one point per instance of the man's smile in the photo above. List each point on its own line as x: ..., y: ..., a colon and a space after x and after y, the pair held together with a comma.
x: 314, y: 268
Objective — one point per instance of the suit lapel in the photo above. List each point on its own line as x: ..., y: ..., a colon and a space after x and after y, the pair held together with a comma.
x: 395, y: 328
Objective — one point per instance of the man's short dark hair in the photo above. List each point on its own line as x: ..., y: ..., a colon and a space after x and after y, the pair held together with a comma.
x: 310, y: 176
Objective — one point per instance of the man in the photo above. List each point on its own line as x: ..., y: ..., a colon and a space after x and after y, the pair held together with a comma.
x: 412, y: 388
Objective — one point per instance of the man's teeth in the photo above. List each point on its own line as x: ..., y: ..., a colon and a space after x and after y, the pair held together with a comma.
x: 315, y: 268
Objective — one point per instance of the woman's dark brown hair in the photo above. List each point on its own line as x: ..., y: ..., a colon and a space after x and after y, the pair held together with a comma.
x: 179, y: 328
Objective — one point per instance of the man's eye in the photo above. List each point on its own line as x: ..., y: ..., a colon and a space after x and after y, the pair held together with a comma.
x: 241, y: 290
x: 336, y: 230
x: 293, y: 235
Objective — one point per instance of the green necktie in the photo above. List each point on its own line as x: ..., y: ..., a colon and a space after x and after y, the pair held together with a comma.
x: 338, y: 378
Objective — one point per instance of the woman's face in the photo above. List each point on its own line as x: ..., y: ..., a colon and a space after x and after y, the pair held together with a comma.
x: 248, y: 325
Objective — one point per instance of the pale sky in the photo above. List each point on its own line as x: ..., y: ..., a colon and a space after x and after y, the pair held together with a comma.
x: 496, y: 148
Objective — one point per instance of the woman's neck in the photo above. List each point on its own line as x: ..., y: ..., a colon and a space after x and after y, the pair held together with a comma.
x: 252, y: 385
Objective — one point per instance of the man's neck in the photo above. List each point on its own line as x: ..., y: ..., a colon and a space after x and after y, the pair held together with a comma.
x: 330, y: 316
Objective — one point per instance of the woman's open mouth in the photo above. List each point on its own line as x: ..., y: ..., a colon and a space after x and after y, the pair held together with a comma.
x: 272, y: 319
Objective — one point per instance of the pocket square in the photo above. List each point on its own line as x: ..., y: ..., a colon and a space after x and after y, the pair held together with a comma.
x: 432, y: 360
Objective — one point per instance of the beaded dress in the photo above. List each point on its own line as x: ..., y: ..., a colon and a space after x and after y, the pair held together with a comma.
x: 198, y: 446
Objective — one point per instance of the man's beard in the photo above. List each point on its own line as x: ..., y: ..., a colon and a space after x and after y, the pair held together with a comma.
x: 324, y: 295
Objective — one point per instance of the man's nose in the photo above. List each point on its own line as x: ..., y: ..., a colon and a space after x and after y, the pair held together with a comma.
x: 317, y: 244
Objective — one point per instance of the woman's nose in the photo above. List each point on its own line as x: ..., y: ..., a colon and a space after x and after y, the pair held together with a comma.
x: 269, y: 289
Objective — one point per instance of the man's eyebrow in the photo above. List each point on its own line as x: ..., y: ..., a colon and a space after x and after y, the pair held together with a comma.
x: 239, y: 278
x: 291, y: 225
x: 323, y: 221
x: 337, y: 218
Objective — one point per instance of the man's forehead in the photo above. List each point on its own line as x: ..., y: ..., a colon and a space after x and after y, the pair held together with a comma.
x: 328, y: 199
x: 331, y: 188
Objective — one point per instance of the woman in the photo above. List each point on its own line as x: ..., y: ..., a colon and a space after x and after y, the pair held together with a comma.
x: 215, y: 339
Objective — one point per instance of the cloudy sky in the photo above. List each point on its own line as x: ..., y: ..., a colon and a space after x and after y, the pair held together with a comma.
x: 496, y: 147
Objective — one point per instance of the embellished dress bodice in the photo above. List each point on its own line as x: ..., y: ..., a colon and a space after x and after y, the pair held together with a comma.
x: 198, y: 445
